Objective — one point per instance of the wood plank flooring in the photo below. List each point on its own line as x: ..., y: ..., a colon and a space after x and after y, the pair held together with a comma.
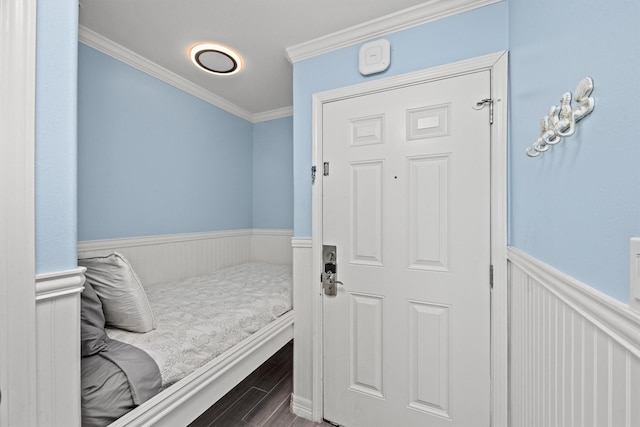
x: 261, y: 400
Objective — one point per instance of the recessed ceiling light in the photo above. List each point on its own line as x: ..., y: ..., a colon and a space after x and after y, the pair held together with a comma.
x: 216, y: 59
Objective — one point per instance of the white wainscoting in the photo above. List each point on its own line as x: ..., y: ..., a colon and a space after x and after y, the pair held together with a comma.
x: 161, y: 259
x: 272, y: 246
x: 301, y: 401
x: 58, y: 347
x: 574, y: 352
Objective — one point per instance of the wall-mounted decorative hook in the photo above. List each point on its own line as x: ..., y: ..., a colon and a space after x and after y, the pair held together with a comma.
x: 561, y: 120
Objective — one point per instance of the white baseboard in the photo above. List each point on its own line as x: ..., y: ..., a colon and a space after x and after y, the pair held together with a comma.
x: 301, y: 407
x: 574, y: 352
x: 58, y: 347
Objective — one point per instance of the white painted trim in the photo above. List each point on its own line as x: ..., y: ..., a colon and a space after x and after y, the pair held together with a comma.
x: 485, y: 62
x: 317, y: 353
x: 271, y: 232
x: 402, y: 20
x: 58, y: 344
x: 113, y: 244
x: 613, y: 317
x: 301, y: 407
x: 301, y: 243
x: 121, y: 53
x: 273, y: 114
x: 497, y: 64
x: 110, y: 244
x: 303, y: 333
x: 499, y: 220
x: 18, y: 378
x: 54, y: 285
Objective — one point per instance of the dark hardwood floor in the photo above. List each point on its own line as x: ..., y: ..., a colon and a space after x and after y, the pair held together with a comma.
x: 261, y: 400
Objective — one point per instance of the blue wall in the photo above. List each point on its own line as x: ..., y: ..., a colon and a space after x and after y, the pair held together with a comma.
x: 155, y: 160
x: 55, y: 135
x: 576, y: 206
x: 474, y: 33
x: 273, y: 174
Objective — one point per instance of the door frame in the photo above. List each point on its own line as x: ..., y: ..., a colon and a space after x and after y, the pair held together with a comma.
x: 17, y: 183
x: 497, y: 64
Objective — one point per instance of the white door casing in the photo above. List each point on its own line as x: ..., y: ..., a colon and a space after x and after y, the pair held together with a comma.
x: 407, y: 205
x: 17, y: 248
x: 416, y: 313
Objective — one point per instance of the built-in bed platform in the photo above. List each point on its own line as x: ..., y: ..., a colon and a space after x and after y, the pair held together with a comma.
x: 225, y: 323
x: 212, y: 331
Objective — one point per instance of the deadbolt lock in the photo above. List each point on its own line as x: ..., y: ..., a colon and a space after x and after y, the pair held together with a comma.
x: 330, y: 270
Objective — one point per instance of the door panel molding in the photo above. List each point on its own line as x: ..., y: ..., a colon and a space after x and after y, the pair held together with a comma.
x: 428, y: 181
x: 367, y: 311
x: 366, y: 213
x: 497, y: 64
x: 424, y: 393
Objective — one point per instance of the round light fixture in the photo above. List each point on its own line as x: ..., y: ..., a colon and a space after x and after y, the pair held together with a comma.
x: 216, y: 59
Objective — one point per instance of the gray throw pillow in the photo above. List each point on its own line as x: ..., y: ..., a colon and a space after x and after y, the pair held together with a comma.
x: 124, y: 301
x: 93, y: 339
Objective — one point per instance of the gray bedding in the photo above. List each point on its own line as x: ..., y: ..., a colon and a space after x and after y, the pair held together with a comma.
x: 105, y: 392
x: 116, y: 377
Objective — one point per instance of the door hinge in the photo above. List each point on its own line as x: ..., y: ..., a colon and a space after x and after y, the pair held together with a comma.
x: 325, y: 169
x: 491, y: 276
x: 313, y: 175
x: 480, y: 105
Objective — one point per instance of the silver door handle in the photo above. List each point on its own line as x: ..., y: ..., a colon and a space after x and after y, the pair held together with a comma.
x: 330, y: 284
x: 330, y: 271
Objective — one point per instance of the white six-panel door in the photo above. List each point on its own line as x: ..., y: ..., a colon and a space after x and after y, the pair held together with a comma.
x: 407, y: 204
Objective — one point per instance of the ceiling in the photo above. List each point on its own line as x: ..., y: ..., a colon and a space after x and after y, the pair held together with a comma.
x: 163, y: 32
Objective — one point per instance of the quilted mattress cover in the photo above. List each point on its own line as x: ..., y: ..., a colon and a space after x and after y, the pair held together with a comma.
x: 199, y: 318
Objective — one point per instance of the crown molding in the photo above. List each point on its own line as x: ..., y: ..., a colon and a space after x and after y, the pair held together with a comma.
x: 121, y: 53
x: 407, y: 18
x: 273, y: 114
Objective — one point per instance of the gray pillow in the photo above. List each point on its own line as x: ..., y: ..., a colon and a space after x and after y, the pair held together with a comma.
x: 93, y: 339
x: 124, y: 301
x: 105, y: 393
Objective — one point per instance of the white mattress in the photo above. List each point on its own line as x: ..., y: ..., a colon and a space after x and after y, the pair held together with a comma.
x: 199, y: 318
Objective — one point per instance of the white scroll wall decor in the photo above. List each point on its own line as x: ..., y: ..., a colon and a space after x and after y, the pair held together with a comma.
x: 561, y: 120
